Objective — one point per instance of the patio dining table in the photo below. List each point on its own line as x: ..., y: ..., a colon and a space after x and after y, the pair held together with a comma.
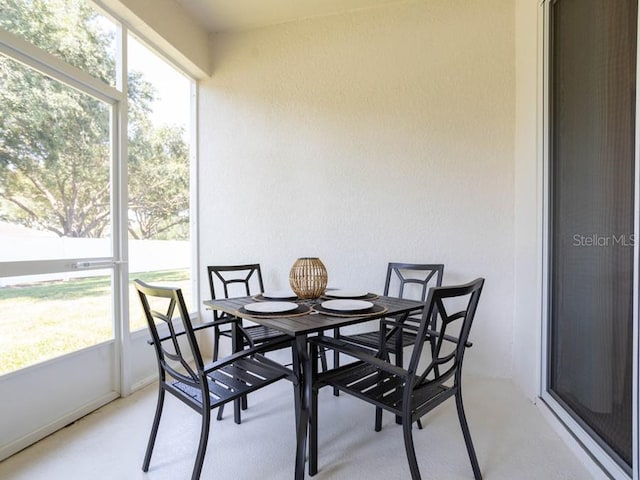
x: 299, y: 325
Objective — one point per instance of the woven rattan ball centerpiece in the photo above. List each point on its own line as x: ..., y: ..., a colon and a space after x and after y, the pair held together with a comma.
x: 308, y: 277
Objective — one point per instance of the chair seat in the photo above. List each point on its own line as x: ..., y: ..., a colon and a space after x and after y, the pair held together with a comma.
x: 230, y: 382
x: 382, y: 388
x: 371, y: 340
x: 257, y: 333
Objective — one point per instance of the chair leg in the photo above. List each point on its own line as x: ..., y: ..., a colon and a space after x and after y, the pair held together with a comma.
x: 297, y: 396
x: 378, y: 426
x: 239, y: 404
x: 313, y: 415
x: 399, y: 420
x: 323, y: 360
x: 313, y: 434
x: 237, y: 407
x: 216, y: 343
x: 336, y: 358
x: 154, y: 430
x: 297, y: 399
x: 336, y: 364
x: 409, y: 448
x: 467, y: 436
x: 202, y: 447
x: 399, y: 356
x: 216, y: 352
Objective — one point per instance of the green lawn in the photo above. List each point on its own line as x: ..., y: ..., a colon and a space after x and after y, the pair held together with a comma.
x: 43, y: 320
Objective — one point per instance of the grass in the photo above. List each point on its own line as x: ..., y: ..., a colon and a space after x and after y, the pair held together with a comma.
x: 44, y: 320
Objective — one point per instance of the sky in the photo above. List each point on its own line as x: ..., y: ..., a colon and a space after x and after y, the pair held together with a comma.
x: 172, y: 87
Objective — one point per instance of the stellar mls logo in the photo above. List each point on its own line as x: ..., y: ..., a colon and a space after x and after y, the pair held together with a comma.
x: 596, y: 240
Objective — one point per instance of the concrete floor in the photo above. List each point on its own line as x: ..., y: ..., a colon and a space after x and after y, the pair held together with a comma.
x: 513, y: 441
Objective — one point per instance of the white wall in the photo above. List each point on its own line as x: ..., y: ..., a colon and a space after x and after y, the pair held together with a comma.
x: 528, y: 201
x: 381, y: 135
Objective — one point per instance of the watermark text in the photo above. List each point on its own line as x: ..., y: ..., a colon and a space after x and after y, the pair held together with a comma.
x: 597, y: 240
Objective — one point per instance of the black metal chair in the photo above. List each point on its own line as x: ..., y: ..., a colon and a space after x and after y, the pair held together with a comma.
x: 400, y: 281
x: 183, y: 374
x: 227, y: 281
x: 404, y: 280
x: 409, y: 393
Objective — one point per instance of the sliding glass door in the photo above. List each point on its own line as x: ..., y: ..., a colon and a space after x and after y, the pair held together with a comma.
x: 591, y: 217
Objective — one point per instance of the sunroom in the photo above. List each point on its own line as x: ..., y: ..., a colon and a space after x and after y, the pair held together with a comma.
x: 149, y: 140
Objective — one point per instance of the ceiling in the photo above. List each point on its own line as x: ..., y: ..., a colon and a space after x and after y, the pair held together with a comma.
x: 235, y: 15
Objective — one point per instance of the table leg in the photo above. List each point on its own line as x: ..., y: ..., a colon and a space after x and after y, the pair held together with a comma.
x: 301, y: 356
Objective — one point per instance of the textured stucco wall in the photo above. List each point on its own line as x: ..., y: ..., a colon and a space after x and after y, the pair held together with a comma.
x: 528, y: 199
x: 381, y: 135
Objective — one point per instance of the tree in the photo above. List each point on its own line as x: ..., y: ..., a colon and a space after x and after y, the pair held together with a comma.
x: 54, y: 140
x: 159, y: 182
x: 54, y: 155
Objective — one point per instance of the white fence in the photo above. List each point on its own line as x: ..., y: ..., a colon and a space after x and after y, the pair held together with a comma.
x: 144, y: 255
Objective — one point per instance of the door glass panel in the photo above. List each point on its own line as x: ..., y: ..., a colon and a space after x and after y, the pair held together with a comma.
x: 44, y: 316
x: 72, y: 30
x: 55, y: 194
x: 159, y: 126
x: 593, y: 65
